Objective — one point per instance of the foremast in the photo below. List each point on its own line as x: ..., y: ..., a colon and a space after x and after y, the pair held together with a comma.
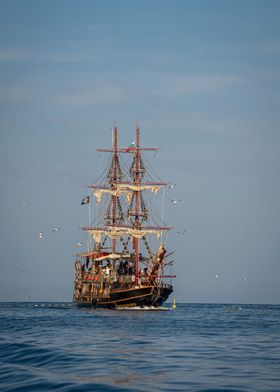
x: 136, y: 221
x: 114, y: 197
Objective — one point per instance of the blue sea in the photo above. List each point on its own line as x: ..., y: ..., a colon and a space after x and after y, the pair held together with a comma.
x: 197, y: 347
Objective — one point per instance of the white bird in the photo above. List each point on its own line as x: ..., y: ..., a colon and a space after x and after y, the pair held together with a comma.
x: 182, y: 232
x: 79, y: 244
x: 216, y: 275
x: 174, y: 201
x: 24, y: 205
x: 7, y: 259
x: 55, y: 229
x: 40, y: 235
x: 171, y: 186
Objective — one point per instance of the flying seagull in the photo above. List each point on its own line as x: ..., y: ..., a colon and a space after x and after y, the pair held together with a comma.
x: 40, y: 235
x: 79, y: 244
x: 24, y: 205
x: 174, y: 201
x: 182, y: 232
x: 171, y: 186
x: 55, y: 229
x: 7, y: 259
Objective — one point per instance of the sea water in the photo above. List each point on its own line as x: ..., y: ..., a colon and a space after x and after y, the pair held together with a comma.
x: 196, y: 347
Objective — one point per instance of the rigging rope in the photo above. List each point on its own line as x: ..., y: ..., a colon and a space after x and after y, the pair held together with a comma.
x: 147, y: 247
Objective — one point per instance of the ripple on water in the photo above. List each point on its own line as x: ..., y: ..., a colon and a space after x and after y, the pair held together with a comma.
x: 197, y: 347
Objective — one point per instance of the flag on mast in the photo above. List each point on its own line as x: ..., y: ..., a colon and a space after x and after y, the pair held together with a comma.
x: 85, y: 200
x: 131, y: 147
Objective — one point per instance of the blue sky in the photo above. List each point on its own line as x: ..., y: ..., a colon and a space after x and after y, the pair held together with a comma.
x: 201, y: 78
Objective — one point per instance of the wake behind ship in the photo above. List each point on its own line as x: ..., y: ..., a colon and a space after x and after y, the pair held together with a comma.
x: 126, y: 262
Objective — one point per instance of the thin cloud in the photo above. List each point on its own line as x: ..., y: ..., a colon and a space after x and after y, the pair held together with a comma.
x: 13, y: 55
x: 95, y: 95
x: 139, y: 85
x: 269, y: 48
x: 170, y: 85
x: 11, y: 96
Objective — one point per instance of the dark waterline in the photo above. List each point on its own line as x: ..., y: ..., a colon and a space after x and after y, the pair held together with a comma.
x: 197, y: 347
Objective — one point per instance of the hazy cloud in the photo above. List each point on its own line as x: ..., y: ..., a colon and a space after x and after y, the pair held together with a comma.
x: 12, y: 96
x: 14, y: 55
x: 100, y: 94
x: 144, y: 85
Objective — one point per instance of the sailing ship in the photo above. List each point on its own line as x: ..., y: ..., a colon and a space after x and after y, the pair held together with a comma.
x: 121, y: 269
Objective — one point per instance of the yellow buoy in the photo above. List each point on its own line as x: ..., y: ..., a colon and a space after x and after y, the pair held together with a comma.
x: 174, y: 304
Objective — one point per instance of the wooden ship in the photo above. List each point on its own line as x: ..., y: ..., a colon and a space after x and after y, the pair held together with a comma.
x: 120, y: 268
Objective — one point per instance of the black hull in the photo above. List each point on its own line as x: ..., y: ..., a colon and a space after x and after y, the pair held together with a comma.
x: 134, y: 297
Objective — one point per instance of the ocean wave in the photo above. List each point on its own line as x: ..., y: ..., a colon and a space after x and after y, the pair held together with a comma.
x: 205, y: 348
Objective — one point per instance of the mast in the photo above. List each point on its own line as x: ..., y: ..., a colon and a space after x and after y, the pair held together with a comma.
x: 115, y: 148
x: 137, y: 223
x: 116, y: 185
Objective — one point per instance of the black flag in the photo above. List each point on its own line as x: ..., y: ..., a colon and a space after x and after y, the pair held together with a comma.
x: 85, y: 200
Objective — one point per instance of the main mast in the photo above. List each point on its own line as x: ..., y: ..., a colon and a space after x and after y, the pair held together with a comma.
x: 137, y: 222
x: 115, y: 157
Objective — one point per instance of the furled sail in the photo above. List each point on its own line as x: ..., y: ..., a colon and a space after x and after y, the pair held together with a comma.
x: 118, y: 232
x: 123, y: 188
